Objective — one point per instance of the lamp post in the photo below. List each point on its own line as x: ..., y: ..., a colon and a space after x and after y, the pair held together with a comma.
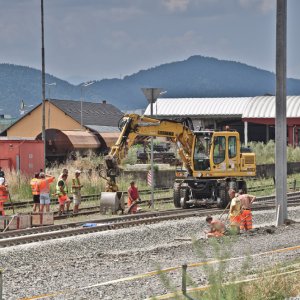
x: 49, y: 97
x: 43, y: 83
x: 152, y: 94
x: 85, y: 84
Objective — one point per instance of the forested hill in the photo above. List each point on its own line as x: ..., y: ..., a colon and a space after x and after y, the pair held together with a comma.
x: 197, y: 76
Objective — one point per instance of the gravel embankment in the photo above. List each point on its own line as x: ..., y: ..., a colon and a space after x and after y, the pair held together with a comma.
x: 82, y: 261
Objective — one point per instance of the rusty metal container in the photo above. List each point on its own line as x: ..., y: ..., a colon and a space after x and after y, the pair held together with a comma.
x: 42, y: 219
x: 20, y: 221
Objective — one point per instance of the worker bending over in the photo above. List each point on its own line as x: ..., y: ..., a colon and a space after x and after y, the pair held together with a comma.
x: 235, y: 210
x: 217, y: 228
x: 133, y: 197
x: 246, y: 214
x: 3, y: 195
x: 62, y: 193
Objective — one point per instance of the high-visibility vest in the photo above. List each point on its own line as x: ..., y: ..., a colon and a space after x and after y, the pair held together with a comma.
x: 34, y: 183
x: 76, y: 181
x: 65, y: 188
x: 3, y: 193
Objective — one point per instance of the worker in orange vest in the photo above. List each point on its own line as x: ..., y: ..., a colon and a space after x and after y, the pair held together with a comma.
x: 133, y: 197
x: 44, y: 187
x: 3, y: 195
x: 35, y: 190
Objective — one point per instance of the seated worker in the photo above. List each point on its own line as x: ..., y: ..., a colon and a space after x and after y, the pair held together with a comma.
x: 217, y: 228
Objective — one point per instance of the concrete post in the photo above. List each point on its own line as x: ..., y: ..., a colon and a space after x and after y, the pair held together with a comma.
x: 246, y: 133
x: 1, y: 284
x: 280, y: 125
x: 183, y: 286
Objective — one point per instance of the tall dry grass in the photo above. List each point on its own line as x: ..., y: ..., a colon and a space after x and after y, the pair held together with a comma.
x: 19, y: 184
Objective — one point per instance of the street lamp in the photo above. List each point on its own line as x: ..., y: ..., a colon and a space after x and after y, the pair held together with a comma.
x: 49, y: 91
x: 152, y: 94
x: 85, y: 84
x: 49, y: 87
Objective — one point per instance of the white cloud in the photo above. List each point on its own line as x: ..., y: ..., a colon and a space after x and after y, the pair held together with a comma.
x: 176, y: 5
x: 263, y: 6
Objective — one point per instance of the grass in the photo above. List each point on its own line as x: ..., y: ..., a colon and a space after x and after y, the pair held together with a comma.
x: 241, y: 283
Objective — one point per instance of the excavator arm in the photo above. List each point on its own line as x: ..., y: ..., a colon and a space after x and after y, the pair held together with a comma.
x: 133, y: 125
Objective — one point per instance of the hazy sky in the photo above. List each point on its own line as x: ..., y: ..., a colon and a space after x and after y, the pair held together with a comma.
x: 95, y: 39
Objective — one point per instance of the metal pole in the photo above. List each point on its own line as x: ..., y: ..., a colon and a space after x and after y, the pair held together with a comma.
x: 280, y: 125
x: 183, y: 284
x: 43, y: 85
x: 152, y: 166
x: 1, y: 284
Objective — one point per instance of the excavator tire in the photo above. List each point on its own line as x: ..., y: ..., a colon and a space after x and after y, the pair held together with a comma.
x: 176, y: 195
x: 184, y: 198
x: 223, y: 199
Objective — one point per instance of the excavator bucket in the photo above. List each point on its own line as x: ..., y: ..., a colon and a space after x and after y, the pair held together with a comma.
x: 112, y: 202
x: 112, y: 168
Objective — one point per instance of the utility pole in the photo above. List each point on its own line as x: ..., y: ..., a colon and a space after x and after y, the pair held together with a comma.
x: 280, y: 124
x: 43, y: 86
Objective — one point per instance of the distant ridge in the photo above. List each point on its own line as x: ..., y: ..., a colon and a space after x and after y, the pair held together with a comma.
x: 197, y: 76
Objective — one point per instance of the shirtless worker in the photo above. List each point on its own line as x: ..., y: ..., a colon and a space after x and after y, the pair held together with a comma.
x: 246, y: 214
x: 217, y: 228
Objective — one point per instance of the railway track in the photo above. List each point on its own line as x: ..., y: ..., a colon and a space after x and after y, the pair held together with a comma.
x: 23, y: 236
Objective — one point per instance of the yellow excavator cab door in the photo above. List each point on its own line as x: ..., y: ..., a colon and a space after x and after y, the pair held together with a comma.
x: 225, y: 153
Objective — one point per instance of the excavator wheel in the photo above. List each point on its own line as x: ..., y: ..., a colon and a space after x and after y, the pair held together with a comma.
x: 176, y: 194
x: 223, y: 199
x: 184, y: 193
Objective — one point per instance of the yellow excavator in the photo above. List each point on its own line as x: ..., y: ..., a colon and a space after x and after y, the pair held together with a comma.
x: 213, y: 161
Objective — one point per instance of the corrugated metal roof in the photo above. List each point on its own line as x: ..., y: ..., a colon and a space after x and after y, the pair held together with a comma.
x: 102, y: 129
x: 264, y: 107
x: 202, y: 107
x: 82, y: 139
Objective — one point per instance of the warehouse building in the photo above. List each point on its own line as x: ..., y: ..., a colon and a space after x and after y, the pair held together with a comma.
x: 252, y: 117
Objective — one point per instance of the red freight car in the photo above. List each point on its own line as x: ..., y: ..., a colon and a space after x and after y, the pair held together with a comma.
x: 26, y: 156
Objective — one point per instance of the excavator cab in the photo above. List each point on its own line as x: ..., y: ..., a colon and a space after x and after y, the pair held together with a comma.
x: 202, y: 149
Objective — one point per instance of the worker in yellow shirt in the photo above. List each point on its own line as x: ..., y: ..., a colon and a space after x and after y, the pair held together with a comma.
x: 235, y: 210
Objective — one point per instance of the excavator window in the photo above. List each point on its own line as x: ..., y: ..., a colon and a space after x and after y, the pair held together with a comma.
x: 201, y: 153
x: 232, y: 147
x: 219, y: 149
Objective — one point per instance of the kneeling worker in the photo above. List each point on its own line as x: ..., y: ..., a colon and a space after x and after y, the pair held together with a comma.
x: 217, y: 228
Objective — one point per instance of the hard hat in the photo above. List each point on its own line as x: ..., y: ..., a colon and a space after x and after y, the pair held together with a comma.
x: 1, y: 180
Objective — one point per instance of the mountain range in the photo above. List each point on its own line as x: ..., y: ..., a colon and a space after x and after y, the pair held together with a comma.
x: 197, y: 76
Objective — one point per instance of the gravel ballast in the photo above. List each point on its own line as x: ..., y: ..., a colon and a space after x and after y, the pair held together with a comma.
x: 82, y: 261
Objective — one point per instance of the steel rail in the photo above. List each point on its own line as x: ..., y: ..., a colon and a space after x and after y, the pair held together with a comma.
x: 56, y: 231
